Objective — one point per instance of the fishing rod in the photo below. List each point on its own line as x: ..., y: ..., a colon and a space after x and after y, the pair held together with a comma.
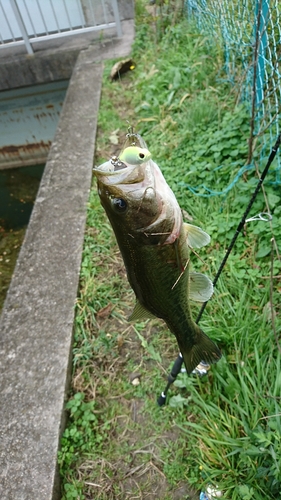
x: 179, y: 361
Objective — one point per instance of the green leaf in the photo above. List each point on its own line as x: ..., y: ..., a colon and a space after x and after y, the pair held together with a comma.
x: 246, y: 492
x: 178, y: 401
x: 262, y: 252
x: 273, y: 200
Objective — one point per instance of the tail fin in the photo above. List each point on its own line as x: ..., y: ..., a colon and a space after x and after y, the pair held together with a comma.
x: 203, y: 350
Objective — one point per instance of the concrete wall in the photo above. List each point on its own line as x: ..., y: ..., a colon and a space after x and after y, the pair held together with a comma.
x: 126, y: 10
x: 22, y: 70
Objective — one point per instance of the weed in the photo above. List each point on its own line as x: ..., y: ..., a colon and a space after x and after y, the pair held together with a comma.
x: 81, y: 432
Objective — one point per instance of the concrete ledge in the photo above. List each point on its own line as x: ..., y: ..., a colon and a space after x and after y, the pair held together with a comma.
x: 22, y: 70
x: 37, y: 319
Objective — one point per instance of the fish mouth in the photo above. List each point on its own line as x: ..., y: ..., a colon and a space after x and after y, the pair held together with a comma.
x: 114, y: 173
x: 115, y: 165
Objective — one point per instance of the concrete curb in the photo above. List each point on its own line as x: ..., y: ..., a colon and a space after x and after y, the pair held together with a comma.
x: 37, y: 319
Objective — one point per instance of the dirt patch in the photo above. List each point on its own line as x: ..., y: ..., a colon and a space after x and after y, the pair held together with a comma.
x: 138, y: 474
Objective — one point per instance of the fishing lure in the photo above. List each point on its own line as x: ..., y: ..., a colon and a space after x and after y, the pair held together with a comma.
x: 135, y: 155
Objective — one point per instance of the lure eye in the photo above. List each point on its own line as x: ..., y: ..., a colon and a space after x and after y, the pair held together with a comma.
x: 119, y: 205
x: 141, y: 156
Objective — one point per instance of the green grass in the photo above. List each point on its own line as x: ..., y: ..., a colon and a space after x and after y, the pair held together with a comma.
x: 223, y: 429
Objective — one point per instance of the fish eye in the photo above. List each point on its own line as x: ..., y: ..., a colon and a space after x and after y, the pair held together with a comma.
x: 119, y: 205
x: 141, y: 155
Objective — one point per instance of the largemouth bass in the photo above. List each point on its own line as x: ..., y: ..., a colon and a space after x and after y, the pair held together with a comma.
x: 155, y: 244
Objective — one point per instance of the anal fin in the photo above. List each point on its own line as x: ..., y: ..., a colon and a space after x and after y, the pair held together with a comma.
x: 200, y: 287
x: 140, y: 312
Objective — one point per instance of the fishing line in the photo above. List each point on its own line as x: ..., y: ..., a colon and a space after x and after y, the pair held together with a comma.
x: 179, y: 361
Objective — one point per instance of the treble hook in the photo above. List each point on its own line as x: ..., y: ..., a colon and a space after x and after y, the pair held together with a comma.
x: 130, y: 129
x: 264, y: 216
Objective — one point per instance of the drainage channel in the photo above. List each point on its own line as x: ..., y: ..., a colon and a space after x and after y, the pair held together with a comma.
x: 28, y: 121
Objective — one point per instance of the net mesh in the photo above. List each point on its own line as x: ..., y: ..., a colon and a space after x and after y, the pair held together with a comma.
x: 249, y: 32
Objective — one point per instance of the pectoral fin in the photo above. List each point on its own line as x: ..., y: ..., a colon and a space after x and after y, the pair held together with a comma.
x: 195, y: 236
x: 200, y: 287
x: 140, y: 312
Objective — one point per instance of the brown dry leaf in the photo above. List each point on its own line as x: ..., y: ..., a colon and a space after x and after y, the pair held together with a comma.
x: 186, y: 215
x: 104, y: 312
x: 113, y: 138
x: 120, y: 341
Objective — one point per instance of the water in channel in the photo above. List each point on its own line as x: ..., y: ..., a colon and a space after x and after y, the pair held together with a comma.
x: 18, y: 189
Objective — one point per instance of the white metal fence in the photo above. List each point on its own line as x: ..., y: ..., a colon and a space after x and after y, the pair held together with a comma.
x: 30, y: 21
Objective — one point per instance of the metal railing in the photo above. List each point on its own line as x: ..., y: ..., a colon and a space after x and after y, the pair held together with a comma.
x: 30, y: 21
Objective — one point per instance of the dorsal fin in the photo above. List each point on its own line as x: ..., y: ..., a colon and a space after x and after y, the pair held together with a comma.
x: 200, y: 287
x: 195, y: 236
x: 140, y: 312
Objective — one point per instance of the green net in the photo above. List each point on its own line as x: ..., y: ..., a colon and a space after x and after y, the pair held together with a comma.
x: 249, y: 32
